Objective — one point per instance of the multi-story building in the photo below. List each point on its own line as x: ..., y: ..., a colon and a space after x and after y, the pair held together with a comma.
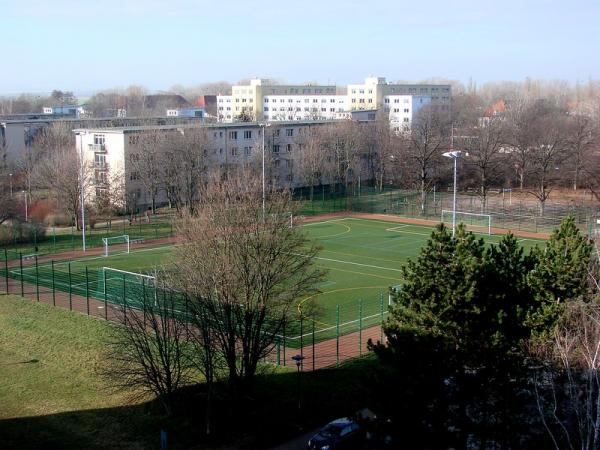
x: 247, y: 101
x: 263, y: 101
x: 112, y: 153
x: 17, y: 136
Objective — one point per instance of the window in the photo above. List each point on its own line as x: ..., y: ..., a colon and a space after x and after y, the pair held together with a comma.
x: 406, y: 119
x: 266, y: 109
x: 323, y: 109
x: 396, y: 100
x: 100, y: 160
x: 266, y: 100
x: 248, y: 134
x: 234, y: 151
x: 289, y: 132
x: 133, y: 176
x: 306, y: 100
x: 370, y: 100
x: 387, y: 100
x: 233, y: 135
x: 353, y: 100
x: 288, y: 148
x: 276, y: 132
x: 406, y: 110
x: 247, y: 151
x: 276, y: 162
x: 99, y: 139
x: 361, y: 100
x: 276, y: 148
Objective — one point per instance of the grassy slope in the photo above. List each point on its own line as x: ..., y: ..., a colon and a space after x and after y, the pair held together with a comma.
x: 52, y: 397
x: 48, y: 367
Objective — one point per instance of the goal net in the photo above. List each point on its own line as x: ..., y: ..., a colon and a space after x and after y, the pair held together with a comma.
x: 479, y: 223
x: 126, y: 288
x: 116, y: 244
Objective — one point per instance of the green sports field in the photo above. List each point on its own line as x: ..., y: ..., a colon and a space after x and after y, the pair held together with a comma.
x: 363, y: 258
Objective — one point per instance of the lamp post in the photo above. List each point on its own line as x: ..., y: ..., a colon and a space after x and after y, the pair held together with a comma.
x: 25, y: 198
x: 298, y: 360
x: 80, y: 135
x: 10, y: 182
x: 455, y: 154
x: 263, y: 126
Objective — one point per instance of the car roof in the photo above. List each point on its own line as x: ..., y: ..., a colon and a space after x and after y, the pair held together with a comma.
x: 341, y: 421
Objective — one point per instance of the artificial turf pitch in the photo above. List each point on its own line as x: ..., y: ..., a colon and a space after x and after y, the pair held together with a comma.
x: 363, y: 258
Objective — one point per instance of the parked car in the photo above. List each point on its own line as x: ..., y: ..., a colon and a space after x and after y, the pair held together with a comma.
x: 342, y: 433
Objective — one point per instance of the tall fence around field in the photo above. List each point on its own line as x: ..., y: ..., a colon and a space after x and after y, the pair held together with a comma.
x: 58, y: 240
x: 110, y: 293
x: 506, y: 210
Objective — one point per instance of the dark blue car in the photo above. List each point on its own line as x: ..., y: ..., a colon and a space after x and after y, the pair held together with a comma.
x: 340, y: 434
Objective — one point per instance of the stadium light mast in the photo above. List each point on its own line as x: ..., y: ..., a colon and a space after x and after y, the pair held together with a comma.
x: 454, y: 154
x: 263, y: 126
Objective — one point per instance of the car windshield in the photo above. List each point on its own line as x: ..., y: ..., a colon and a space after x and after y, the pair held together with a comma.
x: 332, y: 430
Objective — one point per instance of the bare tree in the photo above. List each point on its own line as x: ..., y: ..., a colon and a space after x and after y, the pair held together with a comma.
x: 310, y: 158
x: 243, y: 269
x: 428, y: 138
x: 582, y: 135
x: 547, y: 143
x: 568, y: 389
x: 484, y: 142
x: 149, y: 352
x: 146, y: 164
x: 185, y: 161
x: 61, y: 172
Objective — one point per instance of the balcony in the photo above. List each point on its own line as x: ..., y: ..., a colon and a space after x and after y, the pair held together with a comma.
x: 100, y: 166
x: 97, y: 148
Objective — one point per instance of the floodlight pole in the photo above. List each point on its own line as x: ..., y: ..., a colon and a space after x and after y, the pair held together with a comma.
x: 454, y: 155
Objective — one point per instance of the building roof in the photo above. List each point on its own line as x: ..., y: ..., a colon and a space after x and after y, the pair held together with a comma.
x: 170, y: 100
x: 209, y: 126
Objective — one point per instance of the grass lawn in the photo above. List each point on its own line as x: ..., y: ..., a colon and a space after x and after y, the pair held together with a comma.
x: 48, y: 375
x: 363, y: 258
x: 51, y: 396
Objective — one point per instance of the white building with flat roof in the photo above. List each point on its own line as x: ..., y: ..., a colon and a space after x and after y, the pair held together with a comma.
x: 111, y: 153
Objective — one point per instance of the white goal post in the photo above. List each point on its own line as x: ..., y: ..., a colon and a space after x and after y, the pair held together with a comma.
x: 481, y: 221
x: 112, y: 279
x: 123, y: 239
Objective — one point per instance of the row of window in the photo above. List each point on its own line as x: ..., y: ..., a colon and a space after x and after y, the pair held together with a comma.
x: 306, y: 109
x: 306, y: 100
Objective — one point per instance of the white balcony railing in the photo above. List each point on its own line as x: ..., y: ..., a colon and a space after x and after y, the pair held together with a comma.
x: 97, y: 147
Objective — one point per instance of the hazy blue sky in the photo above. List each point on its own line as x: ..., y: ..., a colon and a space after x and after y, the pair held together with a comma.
x: 87, y: 45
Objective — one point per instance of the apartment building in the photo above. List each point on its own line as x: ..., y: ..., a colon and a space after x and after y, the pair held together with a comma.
x: 17, y: 136
x: 263, y: 101
x: 248, y: 100
x: 111, y: 152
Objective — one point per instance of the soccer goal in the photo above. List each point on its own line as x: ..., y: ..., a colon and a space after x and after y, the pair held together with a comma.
x: 481, y: 223
x: 123, y: 286
x: 116, y: 244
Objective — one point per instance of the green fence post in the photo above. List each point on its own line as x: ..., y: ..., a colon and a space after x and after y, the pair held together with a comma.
x: 53, y: 287
x: 278, y: 347
x: 313, y: 345
x: 301, y: 342
x: 105, y: 299
x: 21, y: 265
x: 70, y: 289
x: 6, y: 269
x: 37, y: 280
x: 360, y: 328
x: 381, y: 310
x: 337, y: 334
x: 124, y: 301
x: 284, y: 343
x: 87, y: 291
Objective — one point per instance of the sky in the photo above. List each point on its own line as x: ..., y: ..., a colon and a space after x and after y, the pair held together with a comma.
x: 87, y: 45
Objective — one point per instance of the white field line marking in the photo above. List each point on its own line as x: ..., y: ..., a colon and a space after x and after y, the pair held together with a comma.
x: 397, y: 229
x: 324, y: 222
x: 349, y: 262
